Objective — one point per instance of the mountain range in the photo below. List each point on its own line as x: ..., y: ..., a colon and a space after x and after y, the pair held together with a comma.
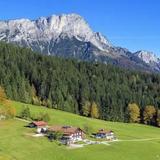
x: 70, y: 36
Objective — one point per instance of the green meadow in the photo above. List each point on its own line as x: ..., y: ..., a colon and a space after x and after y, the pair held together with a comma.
x: 136, y: 142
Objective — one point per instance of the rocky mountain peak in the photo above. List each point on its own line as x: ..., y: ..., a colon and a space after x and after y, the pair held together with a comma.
x: 147, y: 57
x: 50, y: 28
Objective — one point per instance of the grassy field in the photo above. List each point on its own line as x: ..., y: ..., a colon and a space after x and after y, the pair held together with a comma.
x: 137, y: 142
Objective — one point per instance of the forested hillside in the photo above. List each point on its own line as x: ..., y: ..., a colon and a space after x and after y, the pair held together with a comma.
x: 97, y: 90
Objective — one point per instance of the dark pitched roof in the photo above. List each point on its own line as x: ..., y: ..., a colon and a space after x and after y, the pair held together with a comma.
x: 40, y: 123
x: 102, y: 131
x: 65, y: 129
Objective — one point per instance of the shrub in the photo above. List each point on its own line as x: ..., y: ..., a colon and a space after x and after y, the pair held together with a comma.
x: 25, y: 113
x: 42, y: 117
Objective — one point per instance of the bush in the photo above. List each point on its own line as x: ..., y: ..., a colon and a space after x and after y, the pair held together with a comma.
x: 25, y: 113
x: 46, y: 117
x: 54, y: 135
x: 43, y: 117
x: 87, y: 129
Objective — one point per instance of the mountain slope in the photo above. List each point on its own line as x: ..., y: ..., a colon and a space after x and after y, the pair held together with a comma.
x: 68, y: 84
x: 68, y: 36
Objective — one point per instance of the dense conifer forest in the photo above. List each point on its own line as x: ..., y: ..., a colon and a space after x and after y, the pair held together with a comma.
x: 89, y: 89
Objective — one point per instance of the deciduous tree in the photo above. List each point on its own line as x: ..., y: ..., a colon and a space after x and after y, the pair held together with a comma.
x: 6, y: 106
x: 94, y: 110
x: 149, y: 114
x: 158, y: 118
x: 134, y: 113
x: 86, y: 108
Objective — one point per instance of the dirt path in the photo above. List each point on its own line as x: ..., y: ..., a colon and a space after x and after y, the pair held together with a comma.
x: 74, y: 146
x: 138, y: 140
x: 23, y: 120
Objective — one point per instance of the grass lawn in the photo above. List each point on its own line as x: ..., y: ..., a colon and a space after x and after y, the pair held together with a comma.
x: 16, y: 145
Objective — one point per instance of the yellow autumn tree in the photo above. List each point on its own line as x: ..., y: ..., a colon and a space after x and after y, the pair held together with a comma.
x: 35, y: 99
x: 94, y: 110
x: 3, y: 96
x: 86, y: 108
x: 158, y: 118
x: 149, y: 114
x: 134, y: 113
x: 6, y: 108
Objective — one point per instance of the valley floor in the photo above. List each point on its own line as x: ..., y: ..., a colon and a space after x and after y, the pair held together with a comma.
x: 136, y: 142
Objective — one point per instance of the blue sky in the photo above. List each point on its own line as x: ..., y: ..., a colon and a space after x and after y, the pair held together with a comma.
x: 133, y: 24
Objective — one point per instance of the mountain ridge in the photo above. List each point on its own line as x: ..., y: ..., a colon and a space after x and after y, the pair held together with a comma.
x: 69, y: 35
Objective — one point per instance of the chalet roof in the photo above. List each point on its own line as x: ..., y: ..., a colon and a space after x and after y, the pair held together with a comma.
x: 39, y: 123
x: 102, y: 131
x: 65, y: 129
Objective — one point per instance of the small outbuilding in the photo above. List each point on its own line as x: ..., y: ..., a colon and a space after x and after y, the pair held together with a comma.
x: 41, y: 126
x: 109, y: 135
